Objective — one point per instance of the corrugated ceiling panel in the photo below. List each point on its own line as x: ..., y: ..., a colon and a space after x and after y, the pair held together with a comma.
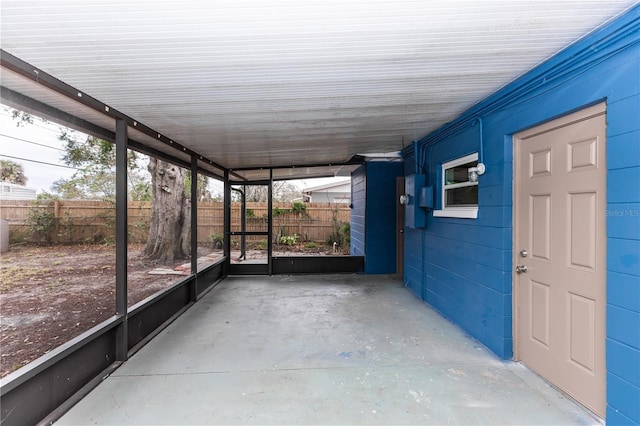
x: 251, y: 84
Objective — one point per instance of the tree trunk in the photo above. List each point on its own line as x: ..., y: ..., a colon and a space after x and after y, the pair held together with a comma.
x: 169, y: 228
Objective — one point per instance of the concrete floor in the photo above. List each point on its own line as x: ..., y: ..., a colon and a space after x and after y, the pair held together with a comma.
x: 335, y: 349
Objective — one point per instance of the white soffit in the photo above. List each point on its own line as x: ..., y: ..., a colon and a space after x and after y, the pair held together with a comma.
x: 261, y: 84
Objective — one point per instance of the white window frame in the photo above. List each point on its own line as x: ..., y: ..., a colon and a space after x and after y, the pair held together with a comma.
x: 470, y: 212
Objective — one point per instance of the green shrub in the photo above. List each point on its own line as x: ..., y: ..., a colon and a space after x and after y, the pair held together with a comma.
x: 310, y: 245
x: 217, y: 239
x: 290, y: 240
x: 66, y: 228
x: 278, y: 211
x: 299, y: 207
x: 40, y: 222
x: 345, y: 233
x: 15, y: 237
x: 341, y: 232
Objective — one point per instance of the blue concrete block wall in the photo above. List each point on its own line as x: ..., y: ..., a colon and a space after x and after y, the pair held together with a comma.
x: 463, y: 266
x: 466, y: 264
x: 623, y: 248
x: 358, y: 204
x: 413, y: 239
x: 413, y: 247
x: 381, y: 230
x: 373, y: 215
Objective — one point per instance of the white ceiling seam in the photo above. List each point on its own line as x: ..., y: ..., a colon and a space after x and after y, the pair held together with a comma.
x: 255, y: 84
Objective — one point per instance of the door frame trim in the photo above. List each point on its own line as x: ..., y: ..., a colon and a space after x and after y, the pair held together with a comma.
x: 574, y: 116
x: 253, y: 268
x: 400, y: 225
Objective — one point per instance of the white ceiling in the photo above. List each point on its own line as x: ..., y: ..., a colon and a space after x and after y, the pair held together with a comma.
x: 279, y: 83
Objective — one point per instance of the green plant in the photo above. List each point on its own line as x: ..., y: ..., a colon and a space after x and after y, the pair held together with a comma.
x: 15, y: 238
x: 290, y: 240
x: 40, y: 222
x: 345, y: 233
x: 261, y: 245
x: 66, y: 227
x: 310, y: 245
x: 108, y: 219
x: 250, y: 213
x: 141, y: 227
x: 278, y: 211
x: 299, y: 207
x: 341, y: 232
x: 107, y: 241
x: 217, y: 239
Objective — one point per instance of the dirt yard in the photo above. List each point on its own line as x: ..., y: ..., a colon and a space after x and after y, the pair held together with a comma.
x: 51, y: 294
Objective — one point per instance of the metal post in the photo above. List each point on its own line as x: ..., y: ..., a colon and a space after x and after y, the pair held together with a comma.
x: 227, y: 222
x: 270, y: 222
x: 194, y: 227
x: 121, y: 239
x: 243, y: 223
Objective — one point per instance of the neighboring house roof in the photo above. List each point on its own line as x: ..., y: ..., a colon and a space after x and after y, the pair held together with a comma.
x: 334, y: 192
x: 11, y: 191
x: 338, y: 186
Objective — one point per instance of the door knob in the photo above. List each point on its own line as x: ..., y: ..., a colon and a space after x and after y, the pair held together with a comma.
x: 521, y: 269
x: 523, y: 253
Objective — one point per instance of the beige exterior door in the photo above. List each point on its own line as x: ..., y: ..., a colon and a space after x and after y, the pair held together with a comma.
x: 560, y: 253
x: 399, y: 227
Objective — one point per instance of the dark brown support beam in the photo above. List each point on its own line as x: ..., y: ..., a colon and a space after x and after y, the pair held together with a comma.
x: 355, y: 160
x: 270, y: 223
x: 227, y: 222
x: 19, y: 101
x: 24, y: 103
x: 121, y: 239
x: 194, y: 226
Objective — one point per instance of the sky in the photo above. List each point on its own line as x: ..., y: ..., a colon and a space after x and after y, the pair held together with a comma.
x: 38, y: 149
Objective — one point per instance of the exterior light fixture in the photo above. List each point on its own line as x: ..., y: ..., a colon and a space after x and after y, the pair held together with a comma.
x: 476, y: 171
